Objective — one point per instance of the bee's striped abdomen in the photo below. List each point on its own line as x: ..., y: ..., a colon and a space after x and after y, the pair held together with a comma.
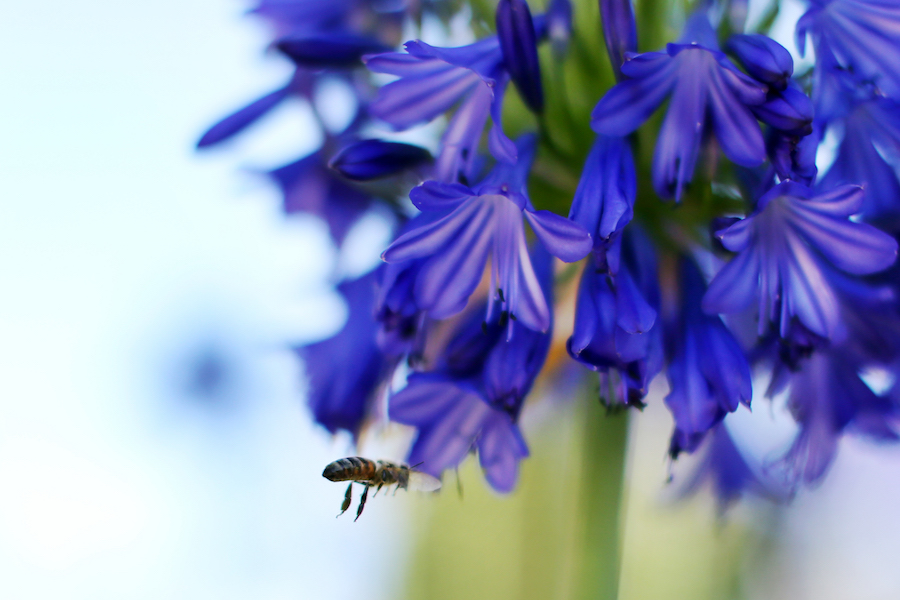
x: 352, y: 468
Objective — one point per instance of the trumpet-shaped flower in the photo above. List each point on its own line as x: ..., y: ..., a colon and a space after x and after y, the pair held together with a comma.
x: 703, y: 86
x: 783, y: 250
x: 481, y: 223
x: 861, y: 37
x: 473, y: 396
x: 708, y: 372
x: 614, y: 322
x: 345, y: 370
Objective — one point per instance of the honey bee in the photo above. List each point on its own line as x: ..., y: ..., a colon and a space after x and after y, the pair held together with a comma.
x: 370, y: 473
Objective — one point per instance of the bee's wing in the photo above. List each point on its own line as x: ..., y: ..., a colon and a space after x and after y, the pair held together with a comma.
x: 423, y: 482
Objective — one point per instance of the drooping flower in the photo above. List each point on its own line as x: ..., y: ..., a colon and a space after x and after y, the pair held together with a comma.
x: 703, y: 86
x: 345, y: 370
x: 604, y: 200
x: 859, y: 37
x: 615, y: 318
x: 433, y: 80
x: 472, y: 398
x: 728, y: 470
x: 480, y: 223
x: 828, y: 397
x: 708, y: 372
x: 309, y: 186
x: 331, y: 49
x: 450, y: 422
x: 783, y: 249
x: 869, y: 155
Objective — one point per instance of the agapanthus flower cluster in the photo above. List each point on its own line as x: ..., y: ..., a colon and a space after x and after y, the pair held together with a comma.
x: 764, y: 277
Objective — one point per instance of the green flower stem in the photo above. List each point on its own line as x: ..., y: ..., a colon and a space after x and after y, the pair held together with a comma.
x: 601, y: 502
x: 556, y: 537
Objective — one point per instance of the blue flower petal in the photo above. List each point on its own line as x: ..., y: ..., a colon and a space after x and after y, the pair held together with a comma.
x: 565, y: 239
x: 240, y: 120
x: 764, y: 58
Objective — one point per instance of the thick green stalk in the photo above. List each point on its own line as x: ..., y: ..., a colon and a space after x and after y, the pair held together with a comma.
x: 601, y: 502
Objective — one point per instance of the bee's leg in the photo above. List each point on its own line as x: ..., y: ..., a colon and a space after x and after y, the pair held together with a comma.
x: 378, y: 489
x: 362, y: 503
x: 347, y: 499
x: 458, y: 483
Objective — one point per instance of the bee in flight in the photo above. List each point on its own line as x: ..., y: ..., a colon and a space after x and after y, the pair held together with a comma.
x: 370, y: 473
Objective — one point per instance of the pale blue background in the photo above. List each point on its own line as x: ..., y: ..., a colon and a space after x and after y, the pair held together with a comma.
x: 127, y: 260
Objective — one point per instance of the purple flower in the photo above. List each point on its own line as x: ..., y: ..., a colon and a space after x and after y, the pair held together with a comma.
x: 518, y: 41
x: 828, y: 397
x: 401, y: 322
x: 869, y: 155
x: 708, y: 372
x: 792, y: 157
x: 328, y: 50
x: 472, y: 398
x: 235, y: 123
x: 861, y: 37
x: 731, y: 476
x: 614, y: 323
x: 619, y: 31
x: 783, y: 250
x: 373, y: 159
x: 345, y: 370
x: 480, y: 223
x: 306, y: 17
x: 604, y: 199
x: 309, y: 186
x: 703, y: 86
x: 764, y: 59
x: 789, y: 110
x: 432, y: 80
x: 451, y: 422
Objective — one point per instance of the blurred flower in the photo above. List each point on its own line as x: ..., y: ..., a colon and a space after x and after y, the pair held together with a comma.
x: 708, y: 373
x: 619, y: 31
x: 781, y: 250
x: 345, y: 370
x: 859, y: 37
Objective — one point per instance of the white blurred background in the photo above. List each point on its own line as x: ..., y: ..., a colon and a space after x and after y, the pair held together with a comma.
x: 153, y: 437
